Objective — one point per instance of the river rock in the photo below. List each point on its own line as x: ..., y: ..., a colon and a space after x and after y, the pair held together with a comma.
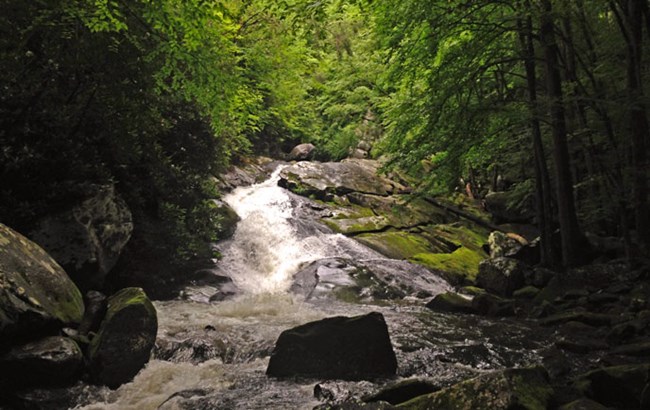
x: 228, y: 219
x: 88, y: 238
x: 403, y: 390
x: 451, y: 302
x: 125, y: 339
x: 302, y: 152
x: 50, y: 361
x: 502, y: 244
x: 501, y: 276
x: 502, y: 390
x: 620, y: 387
x: 347, y: 348
x: 36, y: 295
x: 324, y: 180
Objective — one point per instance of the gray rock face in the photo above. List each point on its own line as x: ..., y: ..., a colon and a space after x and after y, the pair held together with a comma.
x: 125, y: 339
x: 51, y: 361
x: 347, y: 348
x: 302, y: 152
x: 88, y: 238
x: 337, y: 178
x: 35, y: 292
x: 501, y: 276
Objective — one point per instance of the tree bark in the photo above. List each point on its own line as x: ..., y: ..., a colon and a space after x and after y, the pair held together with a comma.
x: 571, y: 237
x: 543, y: 192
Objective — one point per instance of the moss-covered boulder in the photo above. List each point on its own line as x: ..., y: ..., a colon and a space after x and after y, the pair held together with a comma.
x: 525, y: 389
x: 451, y: 302
x: 228, y: 219
x: 620, y: 387
x: 125, y: 339
x: 36, y: 295
x: 402, y: 391
x: 52, y: 361
x: 347, y: 348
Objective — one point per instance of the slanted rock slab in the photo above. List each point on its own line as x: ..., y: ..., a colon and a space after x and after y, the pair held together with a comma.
x: 347, y: 348
x: 125, y: 339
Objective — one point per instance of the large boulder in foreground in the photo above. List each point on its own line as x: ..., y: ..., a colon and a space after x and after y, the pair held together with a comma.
x: 347, y: 348
x: 88, y: 238
x: 36, y: 295
x: 125, y: 339
x: 50, y: 361
x: 525, y: 389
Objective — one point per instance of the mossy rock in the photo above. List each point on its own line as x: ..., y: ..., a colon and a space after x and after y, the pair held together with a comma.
x: 396, y: 244
x: 451, y: 302
x: 36, y: 295
x: 403, y: 391
x: 503, y: 390
x: 353, y: 226
x: 460, y: 266
x: 125, y: 338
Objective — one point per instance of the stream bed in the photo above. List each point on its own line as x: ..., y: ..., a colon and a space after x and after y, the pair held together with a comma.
x: 286, y: 269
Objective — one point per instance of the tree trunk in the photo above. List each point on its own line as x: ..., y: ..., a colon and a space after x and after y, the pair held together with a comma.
x: 571, y: 238
x: 543, y: 192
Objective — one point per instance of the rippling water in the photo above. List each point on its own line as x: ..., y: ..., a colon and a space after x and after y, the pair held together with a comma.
x: 215, y: 355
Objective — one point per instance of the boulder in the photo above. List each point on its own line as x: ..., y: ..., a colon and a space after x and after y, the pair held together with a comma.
x: 36, y: 295
x: 347, y: 348
x: 125, y: 339
x: 324, y: 180
x: 501, y: 276
x: 507, y: 206
x: 451, y: 302
x: 302, y: 152
x: 88, y: 238
x: 501, y: 390
x: 502, y: 244
x: 51, y: 361
x: 620, y: 387
x: 228, y: 219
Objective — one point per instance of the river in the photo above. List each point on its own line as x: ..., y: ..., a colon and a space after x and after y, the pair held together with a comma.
x: 213, y: 355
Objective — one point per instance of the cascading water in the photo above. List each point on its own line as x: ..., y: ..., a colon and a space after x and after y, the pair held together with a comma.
x: 214, y: 356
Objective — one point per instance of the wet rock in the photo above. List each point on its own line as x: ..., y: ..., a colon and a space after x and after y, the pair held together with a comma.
x: 620, y: 387
x: 87, y: 239
x: 125, y: 339
x: 583, y: 404
x: 502, y: 390
x: 36, y: 295
x: 52, y: 361
x: 228, y: 219
x: 403, y: 391
x: 589, y: 318
x: 488, y: 304
x: 555, y: 362
x: 451, y: 302
x: 347, y: 348
x: 501, y: 276
x: 302, y: 152
x: 245, y: 173
x: 581, y: 345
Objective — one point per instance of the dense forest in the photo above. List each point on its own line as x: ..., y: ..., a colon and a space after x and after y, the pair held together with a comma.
x: 451, y: 195
x: 544, y: 97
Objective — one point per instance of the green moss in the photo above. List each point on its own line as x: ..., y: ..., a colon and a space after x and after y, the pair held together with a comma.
x: 462, y: 262
x: 396, y: 245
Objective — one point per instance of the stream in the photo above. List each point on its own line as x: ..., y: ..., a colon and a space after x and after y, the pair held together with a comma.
x: 213, y: 355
